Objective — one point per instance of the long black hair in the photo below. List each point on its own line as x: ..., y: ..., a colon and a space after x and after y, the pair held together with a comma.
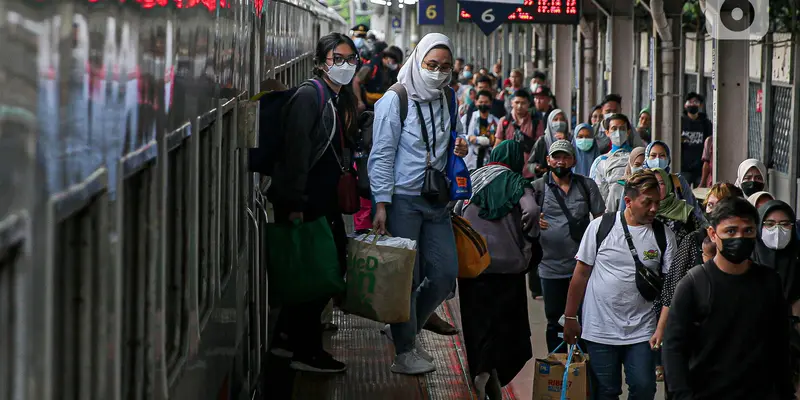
x: 346, y: 105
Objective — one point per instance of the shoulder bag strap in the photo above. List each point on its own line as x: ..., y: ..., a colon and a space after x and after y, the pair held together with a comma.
x: 424, y: 130
x: 629, y: 239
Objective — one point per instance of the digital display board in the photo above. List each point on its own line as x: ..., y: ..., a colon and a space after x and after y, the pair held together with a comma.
x: 561, y: 12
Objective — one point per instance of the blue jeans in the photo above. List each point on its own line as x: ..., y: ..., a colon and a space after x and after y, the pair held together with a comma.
x: 606, y: 366
x: 436, y: 268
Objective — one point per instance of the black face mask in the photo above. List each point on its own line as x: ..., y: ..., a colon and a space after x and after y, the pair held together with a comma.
x: 692, y: 109
x: 484, y: 108
x: 751, y: 187
x: 561, y: 172
x: 737, y: 250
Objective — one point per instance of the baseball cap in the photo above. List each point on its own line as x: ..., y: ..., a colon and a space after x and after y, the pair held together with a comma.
x: 563, y: 146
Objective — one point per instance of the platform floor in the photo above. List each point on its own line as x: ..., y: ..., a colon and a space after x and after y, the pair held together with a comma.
x: 368, y: 353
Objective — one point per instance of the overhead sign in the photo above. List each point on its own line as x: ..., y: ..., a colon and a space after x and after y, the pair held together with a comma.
x: 489, y: 14
x: 430, y: 12
x: 395, y: 23
x: 553, y: 12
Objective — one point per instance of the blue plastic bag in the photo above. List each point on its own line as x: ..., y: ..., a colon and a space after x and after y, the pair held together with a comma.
x: 456, y: 168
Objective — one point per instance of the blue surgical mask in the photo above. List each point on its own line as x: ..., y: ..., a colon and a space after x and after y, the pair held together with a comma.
x: 657, y: 163
x: 584, y: 144
x: 559, y: 126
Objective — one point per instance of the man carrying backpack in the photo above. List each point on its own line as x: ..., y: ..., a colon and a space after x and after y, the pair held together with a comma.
x: 609, y: 168
x: 621, y: 263
x: 727, y: 336
x: 568, y: 201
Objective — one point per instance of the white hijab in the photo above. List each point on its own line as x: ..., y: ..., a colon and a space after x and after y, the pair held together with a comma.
x: 549, y: 132
x: 746, y: 165
x: 409, y: 75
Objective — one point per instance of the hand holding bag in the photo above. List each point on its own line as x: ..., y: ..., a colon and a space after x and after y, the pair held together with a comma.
x: 456, y: 168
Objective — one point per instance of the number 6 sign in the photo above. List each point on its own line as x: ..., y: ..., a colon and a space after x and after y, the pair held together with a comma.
x: 430, y: 12
x: 492, y: 13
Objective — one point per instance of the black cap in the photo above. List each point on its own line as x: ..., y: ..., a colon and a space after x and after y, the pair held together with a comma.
x: 543, y: 90
x: 360, y: 30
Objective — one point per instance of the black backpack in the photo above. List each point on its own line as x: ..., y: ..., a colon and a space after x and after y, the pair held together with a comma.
x: 272, y: 126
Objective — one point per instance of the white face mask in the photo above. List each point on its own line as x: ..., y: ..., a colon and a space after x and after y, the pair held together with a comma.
x: 433, y: 80
x: 392, y: 66
x: 341, y: 74
x: 776, y: 238
x: 559, y: 126
x: 607, y: 115
x: 619, y: 137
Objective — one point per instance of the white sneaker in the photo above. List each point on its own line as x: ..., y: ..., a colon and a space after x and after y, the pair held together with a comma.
x: 422, y: 352
x: 410, y: 363
x: 387, y: 330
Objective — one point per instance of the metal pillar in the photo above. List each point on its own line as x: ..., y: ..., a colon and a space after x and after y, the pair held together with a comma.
x: 730, y: 84
x: 562, y: 68
x: 506, y: 59
x: 621, y: 50
x: 587, y: 94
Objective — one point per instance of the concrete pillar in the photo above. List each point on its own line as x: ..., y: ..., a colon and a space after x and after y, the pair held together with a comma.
x: 621, y: 50
x: 541, y: 50
x: 586, y: 92
x: 506, y: 51
x: 730, y: 79
x: 562, y: 67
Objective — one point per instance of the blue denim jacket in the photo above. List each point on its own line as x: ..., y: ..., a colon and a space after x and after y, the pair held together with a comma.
x: 397, y: 161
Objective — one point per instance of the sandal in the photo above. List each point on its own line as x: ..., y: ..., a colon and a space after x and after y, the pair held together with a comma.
x: 660, y: 373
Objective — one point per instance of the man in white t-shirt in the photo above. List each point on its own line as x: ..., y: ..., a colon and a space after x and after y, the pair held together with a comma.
x: 618, y: 322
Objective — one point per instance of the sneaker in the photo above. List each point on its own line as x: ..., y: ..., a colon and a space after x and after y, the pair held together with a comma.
x: 410, y: 363
x: 387, y: 330
x: 280, y: 347
x: 323, y: 363
x: 422, y: 352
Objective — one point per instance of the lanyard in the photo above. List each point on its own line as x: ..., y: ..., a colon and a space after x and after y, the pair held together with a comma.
x: 433, y: 125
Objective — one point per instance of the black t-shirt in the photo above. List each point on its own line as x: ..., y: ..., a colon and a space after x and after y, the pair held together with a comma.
x: 693, y: 137
x: 727, y: 336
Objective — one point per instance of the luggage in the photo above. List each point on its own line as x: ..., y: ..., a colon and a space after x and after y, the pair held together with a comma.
x: 380, y: 276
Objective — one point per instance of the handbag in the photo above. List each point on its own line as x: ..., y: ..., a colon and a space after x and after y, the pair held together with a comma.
x: 435, y: 187
x: 347, y: 188
x: 649, y: 283
x: 456, y: 168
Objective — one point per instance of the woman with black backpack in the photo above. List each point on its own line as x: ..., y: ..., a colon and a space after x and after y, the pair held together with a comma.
x: 306, y: 184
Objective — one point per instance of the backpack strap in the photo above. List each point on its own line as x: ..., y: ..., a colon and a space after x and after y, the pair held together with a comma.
x: 538, y: 188
x: 320, y: 92
x: 450, y: 94
x: 700, y: 278
x: 606, y: 224
x: 661, y: 239
x: 585, y: 192
x: 402, y: 94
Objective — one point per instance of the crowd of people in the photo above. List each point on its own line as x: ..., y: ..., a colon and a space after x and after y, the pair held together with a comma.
x: 699, y: 293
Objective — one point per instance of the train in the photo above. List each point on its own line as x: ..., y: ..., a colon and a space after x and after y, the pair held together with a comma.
x: 131, y: 259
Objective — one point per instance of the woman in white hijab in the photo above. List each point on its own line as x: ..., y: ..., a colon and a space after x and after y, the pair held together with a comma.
x: 557, y: 129
x: 406, y: 157
x: 752, y: 177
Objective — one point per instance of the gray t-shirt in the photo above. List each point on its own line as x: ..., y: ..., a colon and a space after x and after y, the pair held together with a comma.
x: 559, y: 249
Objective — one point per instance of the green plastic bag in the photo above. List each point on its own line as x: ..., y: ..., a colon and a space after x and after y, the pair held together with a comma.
x: 303, y: 262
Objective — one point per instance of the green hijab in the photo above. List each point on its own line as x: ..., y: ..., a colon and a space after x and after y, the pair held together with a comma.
x: 498, y: 197
x: 671, y: 207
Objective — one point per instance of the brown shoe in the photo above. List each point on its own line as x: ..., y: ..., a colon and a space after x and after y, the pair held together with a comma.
x: 439, y: 326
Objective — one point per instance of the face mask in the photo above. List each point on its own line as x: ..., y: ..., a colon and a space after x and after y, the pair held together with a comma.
x: 560, y: 126
x: 619, y: 137
x: 433, y: 80
x: 561, y: 171
x: 656, y: 163
x: 776, y: 238
x: 534, y: 87
x: 341, y: 74
x: 751, y: 187
x: 692, y: 109
x: 584, y: 144
x: 467, y: 75
x: 635, y: 169
x: 484, y: 108
x: 358, y: 42
x: 607, y: 116
x: 737, y: 250
x: 391, y: 66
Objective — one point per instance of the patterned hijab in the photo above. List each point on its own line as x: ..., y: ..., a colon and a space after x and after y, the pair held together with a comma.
x: 499, y: 185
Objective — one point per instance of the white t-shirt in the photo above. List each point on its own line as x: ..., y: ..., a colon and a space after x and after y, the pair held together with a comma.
x: 614, y: 312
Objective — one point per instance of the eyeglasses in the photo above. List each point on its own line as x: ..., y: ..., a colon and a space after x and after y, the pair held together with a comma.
x: 768, y: 223
x: 438, y: 68
x: 339, y: 59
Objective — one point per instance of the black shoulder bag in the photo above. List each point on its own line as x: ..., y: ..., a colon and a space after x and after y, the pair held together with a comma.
x: 648, y: 282
x: 577, y: 227
x: 435, y: 188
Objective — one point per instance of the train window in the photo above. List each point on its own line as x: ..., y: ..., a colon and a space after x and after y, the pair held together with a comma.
x: 206, y: 221
x: 177, y: 252
x: 139, y: 249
